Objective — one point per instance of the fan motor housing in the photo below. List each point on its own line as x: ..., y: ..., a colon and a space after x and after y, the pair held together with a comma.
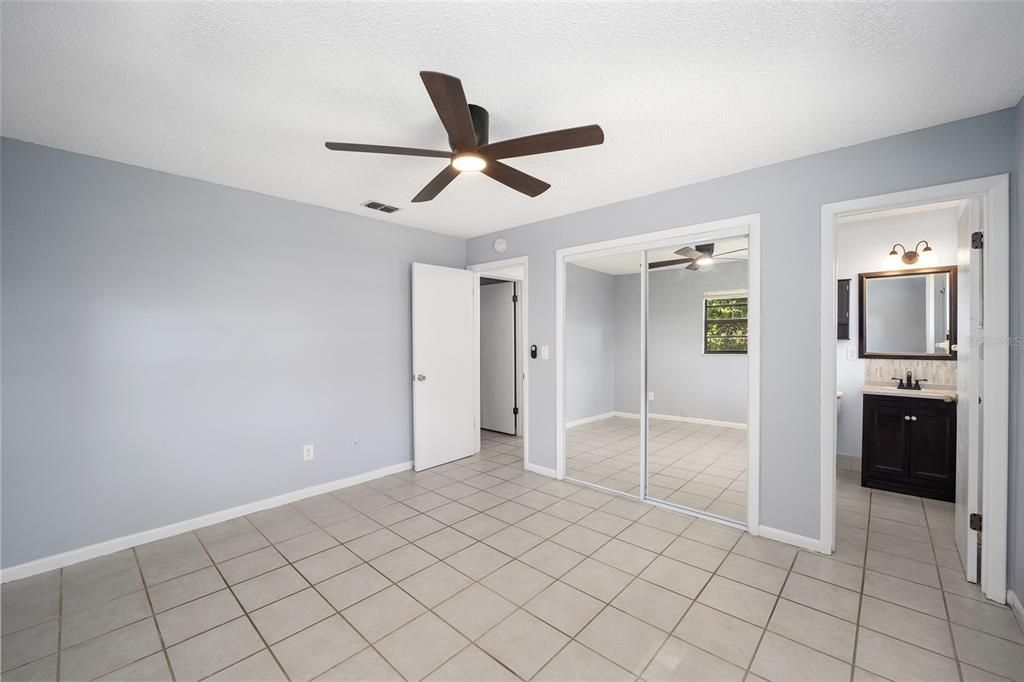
x: 481, y: 122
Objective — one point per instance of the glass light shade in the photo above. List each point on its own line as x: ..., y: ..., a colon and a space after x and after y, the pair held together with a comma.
x: 469, y: 163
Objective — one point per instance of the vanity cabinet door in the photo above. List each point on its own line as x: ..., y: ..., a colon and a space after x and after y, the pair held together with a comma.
x: 933, y: 441
x: 885, y: 437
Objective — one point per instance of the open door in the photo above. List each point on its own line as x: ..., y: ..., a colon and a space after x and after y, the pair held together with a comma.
x: 443, y: 357
x: 969, y: 376
x: 498, y: 408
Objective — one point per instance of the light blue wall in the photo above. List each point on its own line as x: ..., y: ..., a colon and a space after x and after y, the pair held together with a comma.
x: 169, y: 346
x: 589, y: 343
x: 685, y: 382
x: 1016, y: 525
x: 628, y: 319
x: 788, y: 196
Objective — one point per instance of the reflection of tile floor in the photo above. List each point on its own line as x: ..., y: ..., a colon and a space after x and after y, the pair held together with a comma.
x: 477, y: 570
x: 694, y: 465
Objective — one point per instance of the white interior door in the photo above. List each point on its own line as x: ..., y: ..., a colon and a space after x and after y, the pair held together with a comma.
x: 968, y: 379
x: 498, y: 357
x: 443, y: 359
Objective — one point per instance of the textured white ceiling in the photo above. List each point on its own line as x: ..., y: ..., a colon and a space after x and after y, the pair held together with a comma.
x: 245, y: 94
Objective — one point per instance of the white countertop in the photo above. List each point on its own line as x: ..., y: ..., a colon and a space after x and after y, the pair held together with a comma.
x: 949, y: 395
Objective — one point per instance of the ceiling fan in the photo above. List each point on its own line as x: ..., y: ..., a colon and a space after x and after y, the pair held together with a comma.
x: 471, y: 151
x: 696, y: 258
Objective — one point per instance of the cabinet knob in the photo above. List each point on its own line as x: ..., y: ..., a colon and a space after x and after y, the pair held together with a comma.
x: 906, y: 417
x: 913, y: 419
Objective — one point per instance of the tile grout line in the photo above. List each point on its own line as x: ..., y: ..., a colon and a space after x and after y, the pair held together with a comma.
x: 156, y: 623
x: 860, y: 596
x: 764, y: 630
x: 245, y: 613
x: 690, y: 607
x: 60, y: 620
x: 942, y: 591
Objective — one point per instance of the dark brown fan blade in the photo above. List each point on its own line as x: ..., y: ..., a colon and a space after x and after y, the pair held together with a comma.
x: 689, y: 252
x: 542, y: 143
x: 450, y: 101
x: 517, y: 180
x: 382, y: 149
x: 668, y: 263
x: 434, y: 187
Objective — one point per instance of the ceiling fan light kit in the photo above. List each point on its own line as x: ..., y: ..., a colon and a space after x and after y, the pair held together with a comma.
x: 468, y: 137
x: 469, y: 163
x: 699, y: 257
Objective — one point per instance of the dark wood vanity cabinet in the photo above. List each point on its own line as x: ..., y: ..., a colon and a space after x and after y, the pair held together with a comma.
x: 909, y: 446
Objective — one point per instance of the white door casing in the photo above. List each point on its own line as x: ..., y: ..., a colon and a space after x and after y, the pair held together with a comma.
x: 497, y: 357
x: 443, y: 358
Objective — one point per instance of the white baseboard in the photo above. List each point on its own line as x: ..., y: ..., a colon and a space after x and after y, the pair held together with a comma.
x: 30, y: 568
x: 1018, y: 610
x: 801, y: 541
x: 691, y: 420
x: 543, y: 471
x: 588, y: 420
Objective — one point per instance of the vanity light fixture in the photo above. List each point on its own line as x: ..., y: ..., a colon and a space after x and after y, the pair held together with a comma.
x: 909, y: 257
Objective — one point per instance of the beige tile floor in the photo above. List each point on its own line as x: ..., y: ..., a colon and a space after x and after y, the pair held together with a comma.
x: 697, y: 466
x: 479, y: 571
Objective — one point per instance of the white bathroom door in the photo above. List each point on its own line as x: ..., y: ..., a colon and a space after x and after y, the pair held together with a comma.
x: 444, y: 410
x: 969, y: 376
x: 498, y: 357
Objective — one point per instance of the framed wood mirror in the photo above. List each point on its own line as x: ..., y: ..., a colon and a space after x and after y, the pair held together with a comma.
x: 908, y: 314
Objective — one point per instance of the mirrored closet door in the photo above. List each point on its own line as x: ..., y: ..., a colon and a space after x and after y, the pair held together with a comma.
x: 696, y: 368
x: 603, y: 399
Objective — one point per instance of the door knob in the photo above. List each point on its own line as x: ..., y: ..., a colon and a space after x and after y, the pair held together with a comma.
x: 421, y: 377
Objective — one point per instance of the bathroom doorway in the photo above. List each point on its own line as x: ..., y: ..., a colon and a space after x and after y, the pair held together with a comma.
x: 914, y: 380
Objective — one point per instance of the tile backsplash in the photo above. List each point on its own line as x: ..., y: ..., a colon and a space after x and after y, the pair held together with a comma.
x: 939, y: 373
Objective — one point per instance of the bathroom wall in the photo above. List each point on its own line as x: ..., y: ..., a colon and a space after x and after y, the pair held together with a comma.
x: 862, y: 246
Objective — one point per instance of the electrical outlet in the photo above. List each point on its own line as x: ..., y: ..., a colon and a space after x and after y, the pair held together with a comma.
x: 307, y: 453
x: 650, y: 396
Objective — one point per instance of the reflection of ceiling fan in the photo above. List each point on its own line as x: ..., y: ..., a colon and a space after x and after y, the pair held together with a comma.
x: 471, y: 150
x: 696, y: 258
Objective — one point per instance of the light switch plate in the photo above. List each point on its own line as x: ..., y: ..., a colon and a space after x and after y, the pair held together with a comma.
x: 545, y: 353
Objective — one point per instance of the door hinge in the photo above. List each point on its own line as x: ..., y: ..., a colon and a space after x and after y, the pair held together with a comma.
x: 975, y: 522
x: 515, y: 298
x: 515, y: 410
x: 977, y: 240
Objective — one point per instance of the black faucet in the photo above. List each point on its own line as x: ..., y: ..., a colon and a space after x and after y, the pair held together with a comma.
x: 909, y: 384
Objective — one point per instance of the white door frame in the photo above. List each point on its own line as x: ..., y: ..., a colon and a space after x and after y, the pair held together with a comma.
x: 524, y: 348
x: 749, y: 225
x: 994, y: 192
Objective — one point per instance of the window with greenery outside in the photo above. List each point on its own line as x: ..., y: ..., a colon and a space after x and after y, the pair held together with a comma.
x: 725, y: 325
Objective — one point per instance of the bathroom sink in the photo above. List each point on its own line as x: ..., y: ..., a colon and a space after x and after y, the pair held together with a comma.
x: 949, y: 395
